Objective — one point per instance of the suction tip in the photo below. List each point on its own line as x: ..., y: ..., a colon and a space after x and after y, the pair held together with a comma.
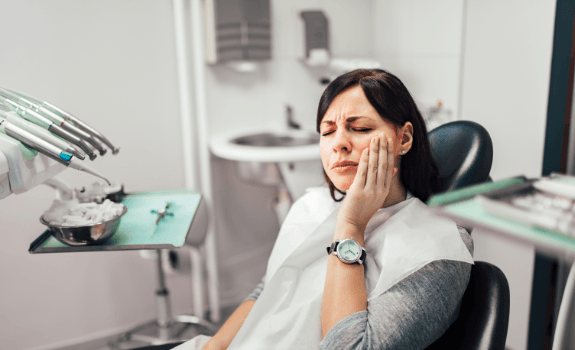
x: 115, y: 151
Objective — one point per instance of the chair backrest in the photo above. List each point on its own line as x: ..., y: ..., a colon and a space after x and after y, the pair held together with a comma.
x: 484, y: 314
x: 463, y: 152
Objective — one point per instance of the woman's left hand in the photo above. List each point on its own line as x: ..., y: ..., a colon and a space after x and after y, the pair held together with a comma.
x: 371, y: 184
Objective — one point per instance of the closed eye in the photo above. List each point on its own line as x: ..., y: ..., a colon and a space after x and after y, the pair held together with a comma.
x: 355, y: 129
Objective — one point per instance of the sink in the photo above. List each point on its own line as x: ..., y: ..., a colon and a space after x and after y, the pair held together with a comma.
x: 269, y: 139
x: 267, y: 145
x: 286, y: 159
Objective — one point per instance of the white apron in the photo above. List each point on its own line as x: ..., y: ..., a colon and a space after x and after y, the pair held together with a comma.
x: 399, y: 240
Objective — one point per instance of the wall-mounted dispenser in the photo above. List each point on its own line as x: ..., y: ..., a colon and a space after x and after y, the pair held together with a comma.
x: 316, y: 38
x: 237, y: 30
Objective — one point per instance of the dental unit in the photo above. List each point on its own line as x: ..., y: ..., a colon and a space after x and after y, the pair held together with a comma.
x: 47, y: 124
x: 53, y: 118
x: 37, y: 144
x: 68, y: 117
x: 34, y: 129
x: 46, y: 148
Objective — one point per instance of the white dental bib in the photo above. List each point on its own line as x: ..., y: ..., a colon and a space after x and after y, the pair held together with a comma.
x: 399, y: 240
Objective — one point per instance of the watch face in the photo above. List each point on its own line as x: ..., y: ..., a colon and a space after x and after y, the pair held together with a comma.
x: 349, y: 250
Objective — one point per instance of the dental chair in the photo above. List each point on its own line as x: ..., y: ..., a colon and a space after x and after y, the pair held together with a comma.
x: 484, y: 314
x: 463, y: 152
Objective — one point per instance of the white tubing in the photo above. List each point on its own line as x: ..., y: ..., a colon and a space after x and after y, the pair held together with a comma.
x: 198, y: 281
x: 462, y: 60
x: 188, y: 17
x: 199, y: 69
x: 562, y: 327
x: 185, y: 93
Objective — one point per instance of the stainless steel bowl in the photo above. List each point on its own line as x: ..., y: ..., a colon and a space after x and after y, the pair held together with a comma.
x: 85, y: 235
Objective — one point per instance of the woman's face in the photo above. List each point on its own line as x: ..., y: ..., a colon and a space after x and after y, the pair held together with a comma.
x: 346, y: 130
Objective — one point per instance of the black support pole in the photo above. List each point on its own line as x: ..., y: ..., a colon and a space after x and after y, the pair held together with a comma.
x: 543, y: 294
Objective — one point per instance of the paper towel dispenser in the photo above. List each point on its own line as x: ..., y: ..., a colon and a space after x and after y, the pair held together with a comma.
x: 237, y: 30
x: 316, y: 32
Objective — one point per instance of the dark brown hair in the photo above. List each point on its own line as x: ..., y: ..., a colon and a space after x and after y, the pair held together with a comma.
x: 390, y: 98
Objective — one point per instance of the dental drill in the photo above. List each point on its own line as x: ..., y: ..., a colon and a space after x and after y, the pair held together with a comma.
x: 34, y: 129
x: 47, y: 124
x: 70, y: 118
x: 46, y: 148
x: 54, y: 118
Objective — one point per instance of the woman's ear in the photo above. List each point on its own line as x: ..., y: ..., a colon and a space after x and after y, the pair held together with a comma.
x: 406, y: 137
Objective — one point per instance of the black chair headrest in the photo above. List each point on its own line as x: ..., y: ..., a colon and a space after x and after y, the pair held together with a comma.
x: 463, y: 152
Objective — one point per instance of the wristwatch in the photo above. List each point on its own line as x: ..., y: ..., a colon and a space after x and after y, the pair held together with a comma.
x: 348, y: 251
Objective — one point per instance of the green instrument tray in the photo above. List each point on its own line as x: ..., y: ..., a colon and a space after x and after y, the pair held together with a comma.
x: 465, y: 210
x: 138, y: 228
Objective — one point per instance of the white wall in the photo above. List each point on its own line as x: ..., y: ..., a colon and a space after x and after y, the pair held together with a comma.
x: 490, y: 61
x: 507, y: 66
x: 237, y: 100
x: 112, y: 64
x: 420, y: 42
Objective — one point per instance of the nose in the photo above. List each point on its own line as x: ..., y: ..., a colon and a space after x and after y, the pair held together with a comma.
x: 341, y: 142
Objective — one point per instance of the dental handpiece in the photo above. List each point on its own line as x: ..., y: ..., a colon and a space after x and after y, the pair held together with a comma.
x: 47, y: 124
x: 46, y: 148
x: 34, y: 129
x: 69, y: 117
x: 56, y: 119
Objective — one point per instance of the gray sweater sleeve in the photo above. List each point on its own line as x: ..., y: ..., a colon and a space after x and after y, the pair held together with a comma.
x: 410, y: 315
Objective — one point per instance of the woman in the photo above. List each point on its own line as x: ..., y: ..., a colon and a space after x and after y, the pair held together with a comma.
x: 405, y: 290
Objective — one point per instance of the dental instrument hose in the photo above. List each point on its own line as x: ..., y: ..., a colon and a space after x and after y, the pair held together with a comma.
x: 47, y: 124
x: 46, y: 148
x: 57, y: 120
x: 69, y: 117
x: 34, y: 129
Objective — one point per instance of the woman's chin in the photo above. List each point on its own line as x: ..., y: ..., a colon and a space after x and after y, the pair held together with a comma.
x: 343, y: 184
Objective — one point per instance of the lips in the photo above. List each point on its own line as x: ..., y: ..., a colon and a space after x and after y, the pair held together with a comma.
x: 344, y: 166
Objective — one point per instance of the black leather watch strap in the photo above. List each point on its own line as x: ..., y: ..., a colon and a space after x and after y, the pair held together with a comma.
x: 363, y: 256
x: 332, y: 248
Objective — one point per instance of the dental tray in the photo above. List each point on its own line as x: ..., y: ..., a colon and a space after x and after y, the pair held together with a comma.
x: 138, y: 229
x: 528, y: 211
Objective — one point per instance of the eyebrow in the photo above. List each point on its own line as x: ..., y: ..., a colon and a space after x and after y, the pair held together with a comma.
x: 349, y: 120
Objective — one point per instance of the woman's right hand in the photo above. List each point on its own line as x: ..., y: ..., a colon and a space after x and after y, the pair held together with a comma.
x: 371, y: 184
